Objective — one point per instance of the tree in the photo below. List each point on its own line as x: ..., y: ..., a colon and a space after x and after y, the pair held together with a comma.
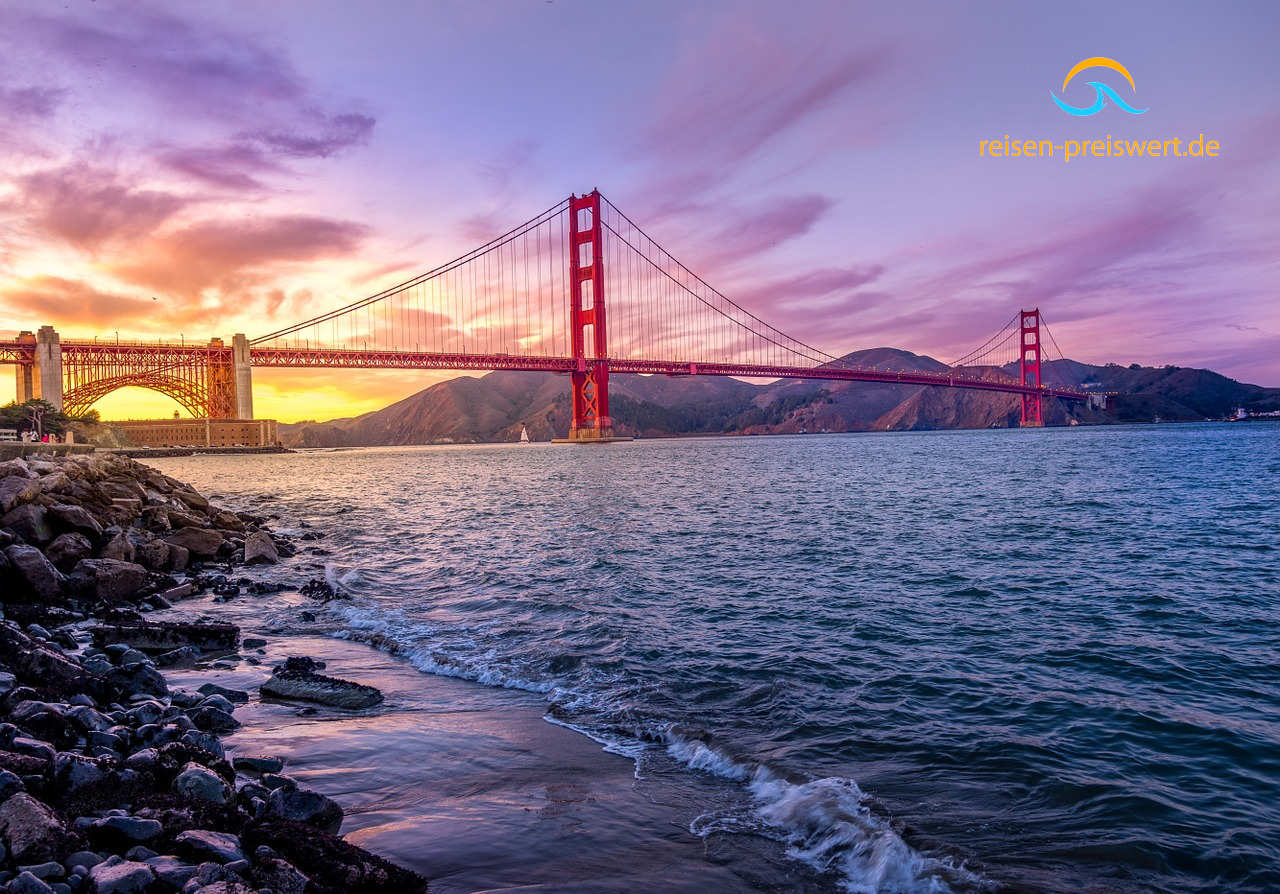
x: 36, y: 416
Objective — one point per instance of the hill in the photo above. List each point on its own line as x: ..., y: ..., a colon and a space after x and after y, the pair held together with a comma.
x: 495, y: 406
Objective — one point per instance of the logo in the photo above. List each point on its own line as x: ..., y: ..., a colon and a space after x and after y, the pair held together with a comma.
x: 1101, y: 91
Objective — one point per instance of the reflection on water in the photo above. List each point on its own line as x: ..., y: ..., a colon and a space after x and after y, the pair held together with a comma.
x: 918, y: 661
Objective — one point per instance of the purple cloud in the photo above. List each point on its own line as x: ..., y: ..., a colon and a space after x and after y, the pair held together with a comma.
x: 319, y: 137
x: 88, y: 206
x: 234, y: 166
x: 30, y: 102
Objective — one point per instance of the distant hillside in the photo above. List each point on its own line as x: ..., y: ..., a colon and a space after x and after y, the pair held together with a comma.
x: 495, y: 406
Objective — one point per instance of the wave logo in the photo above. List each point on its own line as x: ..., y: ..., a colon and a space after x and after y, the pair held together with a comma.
x: 1101, y: 91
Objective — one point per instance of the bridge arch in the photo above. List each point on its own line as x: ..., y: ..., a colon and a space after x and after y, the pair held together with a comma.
x: 191, y: 396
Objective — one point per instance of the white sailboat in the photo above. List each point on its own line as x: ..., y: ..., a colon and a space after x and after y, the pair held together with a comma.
x: 524, y: 435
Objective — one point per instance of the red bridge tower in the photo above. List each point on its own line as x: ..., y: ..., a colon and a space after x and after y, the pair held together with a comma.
x: 1029, y: 362
x: 590, y: 376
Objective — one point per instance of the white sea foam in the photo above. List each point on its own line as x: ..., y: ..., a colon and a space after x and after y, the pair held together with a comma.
x: 825, y: 823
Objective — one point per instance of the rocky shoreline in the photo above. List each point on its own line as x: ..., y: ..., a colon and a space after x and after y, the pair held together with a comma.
x: 109, y: 780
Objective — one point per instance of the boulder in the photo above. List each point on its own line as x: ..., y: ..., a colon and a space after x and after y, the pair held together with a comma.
x: 313, y: 687
x: 172, y: 871
x: 184, y: 656
x: 128, y: 828
x: 179, y: 556
x: 125, y: 877
x: 257, y: 765
x: 153, y: 554
x: 28, y: 882
x: 39, y: 664
x: 304, y: 806
x: 202, y: 543
x: 110, y: 580
x: 161, y: 636
x: 30, y: 522
x: 280, y: 876
x: 37, y: 572
x: 200, y: 784
x: 232, y: 695
x: 118, y: 547
x: 259, y: 549
x: 202, y: 844
x: 74, y: 518
x: 31, y: 831
x: 16, y: 490
x: 68, y: 549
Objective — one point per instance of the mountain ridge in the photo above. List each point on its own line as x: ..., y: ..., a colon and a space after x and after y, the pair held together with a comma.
x: 494, y: 407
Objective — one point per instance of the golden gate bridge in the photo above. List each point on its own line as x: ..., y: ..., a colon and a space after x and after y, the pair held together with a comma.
x: 579, y: 289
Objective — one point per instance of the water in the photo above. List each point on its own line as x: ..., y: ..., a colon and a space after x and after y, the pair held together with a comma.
x: 992, y: 660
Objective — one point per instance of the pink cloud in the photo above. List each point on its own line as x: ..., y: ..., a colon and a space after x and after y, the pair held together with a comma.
x: 221, y: 252
x: 88, y: 206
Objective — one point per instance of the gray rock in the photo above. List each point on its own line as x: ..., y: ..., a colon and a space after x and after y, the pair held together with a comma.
x: 201, y: 784
x: 68, y: 549
x: 171, y: 870
x: 313, y: 687
x: 125, y: 877
x: 16, y: 490
x: 74, y: 772
x: 30, y: 830
x: 202, y: 543
x: 259, y: 549
x: 118, y: 547
x: 280, y: 876
x: 202, y: 844
x: 305, y: 806
x: 231, y: 695
x: 29, y: 521
x: 10, y: 784
x: 110, y: 580
x: 90, y: 719
x: 37, y: 571
x: 214, y: 720
x: 133, y: 828
x: 75, y: 518
x: 87, y: 859
x: 258, y: 765
x: 153, y: 554
x: 28, y: 883
x: 7, y: 682
x: 45, y: 871
x: 186, y: 656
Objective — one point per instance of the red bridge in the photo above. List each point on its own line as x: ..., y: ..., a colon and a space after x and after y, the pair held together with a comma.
x: 534, y: 298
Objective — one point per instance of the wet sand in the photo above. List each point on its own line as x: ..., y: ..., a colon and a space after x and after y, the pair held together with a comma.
x: 468, y: 784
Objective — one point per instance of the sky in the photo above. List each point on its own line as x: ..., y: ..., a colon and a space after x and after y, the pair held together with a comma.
x: 195, y: 170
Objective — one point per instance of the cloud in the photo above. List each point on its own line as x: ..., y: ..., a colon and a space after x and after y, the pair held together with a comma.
x: 319, y: 136
x: 734, y: 91
x: 766, y: 226
x: 222, y: 252
x: 30, y: 102
x: 807, y: 290
x: 88, y: 206
x: 55, y: 300
x: 232, y: 166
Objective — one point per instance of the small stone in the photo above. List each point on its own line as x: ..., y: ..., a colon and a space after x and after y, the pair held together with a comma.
x: 200, y: 784
x: 10, y: 784
x: 124, y: 877
x: 258, y: 765
x: 305, y: 806
x: 253, y: 642
x: 185, y: 656
x: 232, y: 695
x: 140, y: 854
x: 211, y: 719
x: 87, y: 859
x: 132, y: 828
x: 205, y: 844
x: 45, y: 871
x: 28, y: 883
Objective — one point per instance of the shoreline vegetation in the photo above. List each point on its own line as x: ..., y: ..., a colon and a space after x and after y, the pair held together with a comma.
x: 111, y: 781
